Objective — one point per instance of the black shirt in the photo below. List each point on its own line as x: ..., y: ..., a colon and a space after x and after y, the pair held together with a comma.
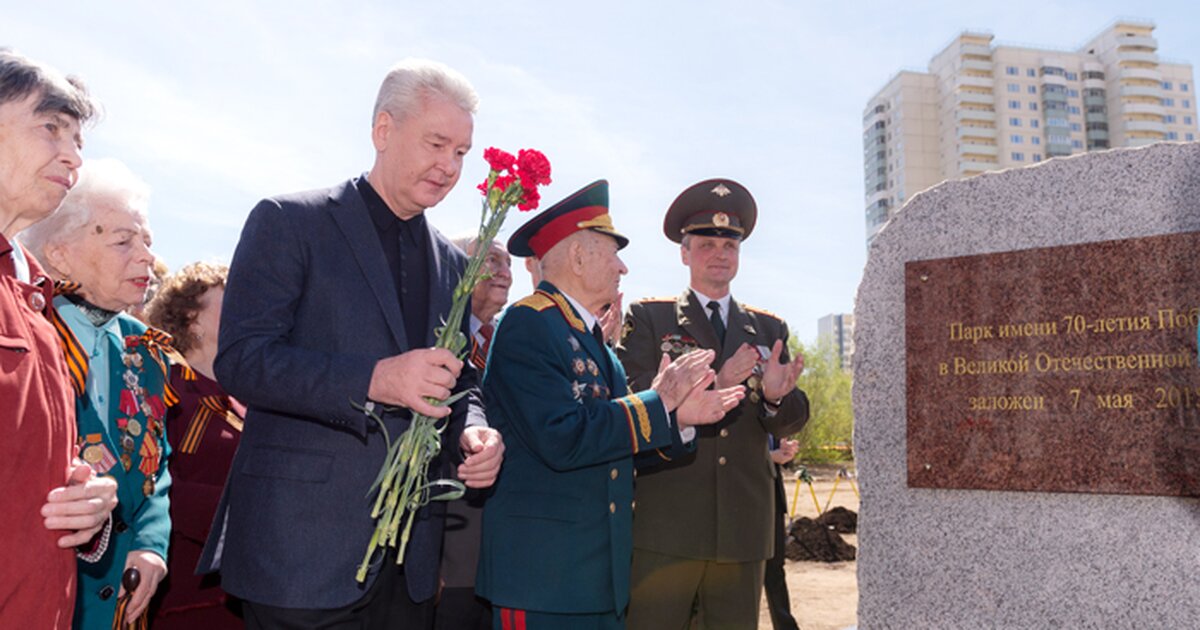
x: 406, y: 247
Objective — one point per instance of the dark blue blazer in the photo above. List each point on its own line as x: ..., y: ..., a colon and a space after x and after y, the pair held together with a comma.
x: 557, y: 532
x: 309, y: 308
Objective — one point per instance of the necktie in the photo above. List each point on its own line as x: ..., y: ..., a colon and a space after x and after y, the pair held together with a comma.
x: 717, y: 324
x: 479, y: 354
x: 598, y: 334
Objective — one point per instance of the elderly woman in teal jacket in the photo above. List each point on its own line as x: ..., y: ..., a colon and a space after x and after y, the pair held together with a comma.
x: 98, y: 246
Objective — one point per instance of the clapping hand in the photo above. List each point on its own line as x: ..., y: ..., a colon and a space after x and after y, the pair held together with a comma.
x: 738, y: 367
x: 779, y: 379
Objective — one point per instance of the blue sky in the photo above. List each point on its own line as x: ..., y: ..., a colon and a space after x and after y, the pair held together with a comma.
x: 220, y: 103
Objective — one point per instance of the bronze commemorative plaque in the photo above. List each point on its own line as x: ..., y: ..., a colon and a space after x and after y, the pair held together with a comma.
x: 1060, y: 369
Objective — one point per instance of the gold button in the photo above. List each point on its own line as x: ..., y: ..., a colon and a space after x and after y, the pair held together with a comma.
x: 721, y: 460
x: 633, y: 505
x: 724, y: 432
x: 613, y: 474
x: 612, y: 507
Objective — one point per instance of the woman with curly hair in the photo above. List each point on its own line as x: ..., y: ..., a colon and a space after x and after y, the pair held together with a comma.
x: 204, y: 430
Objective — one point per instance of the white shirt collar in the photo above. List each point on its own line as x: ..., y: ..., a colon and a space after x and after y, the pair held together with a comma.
x: 589, y: 320
x: 724, y: 302
x: 20, y: 263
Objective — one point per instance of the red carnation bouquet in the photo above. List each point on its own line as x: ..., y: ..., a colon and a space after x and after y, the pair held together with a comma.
x: 403, y: 485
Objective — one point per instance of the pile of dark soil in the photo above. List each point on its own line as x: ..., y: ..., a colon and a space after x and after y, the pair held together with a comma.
x: 840, y: 519
x: 812, y: 541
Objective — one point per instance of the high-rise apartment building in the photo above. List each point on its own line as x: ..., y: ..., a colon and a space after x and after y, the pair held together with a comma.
x: 838, y: 331
x: 985, y: 106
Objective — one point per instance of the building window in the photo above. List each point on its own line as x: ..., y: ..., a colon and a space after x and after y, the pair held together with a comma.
x: 1033, y: 89
x: 1030, y: 72
x: 1016, y: 139
x: 1077, y: 144
x: 1015, y: 122
x: 1169, y: 118
x: 1014, y: 104
x: 1013, y: 87
x: 1033, y: 123
x: 1168, y: 102
x: 1187, y: 120
x: 1037, y: 157
x: 1011, y: 70
x: 1190, y: 137
x: 1035, y: 140
x: 1183, y: 87
x: 1018, y: 157
x: 1073, y: 93
x: 1071, y: 76
x: 1187, y: 104
x: 1033, y: 106
x: 1166, y: 85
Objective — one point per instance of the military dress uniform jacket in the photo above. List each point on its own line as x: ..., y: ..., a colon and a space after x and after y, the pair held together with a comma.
x: 556, y: 533
x: 724, y: 490
x: 132, y: 449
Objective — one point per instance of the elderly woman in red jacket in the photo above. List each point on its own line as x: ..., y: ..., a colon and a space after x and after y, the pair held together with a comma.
x: 52, y: 501
x: 204, y: 430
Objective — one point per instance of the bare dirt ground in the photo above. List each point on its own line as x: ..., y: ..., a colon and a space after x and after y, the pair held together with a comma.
x: 824, y: 596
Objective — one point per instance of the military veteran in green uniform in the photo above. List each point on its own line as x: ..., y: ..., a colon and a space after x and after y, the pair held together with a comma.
x: 557, y: 532
x: 98, y: 245
x: 703, y: 529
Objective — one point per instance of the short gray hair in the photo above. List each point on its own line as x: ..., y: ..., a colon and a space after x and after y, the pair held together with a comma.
x: 101, y: 181
x: 21, y: 77
x: 465, y: 242
x: 410, y: 80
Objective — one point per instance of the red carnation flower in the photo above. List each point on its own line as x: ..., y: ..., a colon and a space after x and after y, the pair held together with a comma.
x: 531, y: 199
x: 499, y: 160
x: 533, y: 167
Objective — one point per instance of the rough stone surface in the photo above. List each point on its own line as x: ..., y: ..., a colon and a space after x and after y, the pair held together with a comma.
x: 993, y: 559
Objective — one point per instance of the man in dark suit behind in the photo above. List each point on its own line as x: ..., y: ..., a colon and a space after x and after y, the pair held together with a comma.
x: 332, y: 297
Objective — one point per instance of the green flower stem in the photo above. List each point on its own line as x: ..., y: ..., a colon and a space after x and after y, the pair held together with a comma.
x: 402, y: 484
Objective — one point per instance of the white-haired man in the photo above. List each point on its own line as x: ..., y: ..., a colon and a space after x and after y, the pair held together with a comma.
x: 332, y: 297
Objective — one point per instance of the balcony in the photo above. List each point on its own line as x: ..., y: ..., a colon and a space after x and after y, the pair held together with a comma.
x: 1141, y: 90
x: 1140, y: 41
x: 977, y: 64
x: 978, y: 150
x: 1054, y: 79
x: 1141, y: 141
x: 974, y: 98
x: 1144, y: 108
x: 965, y: 131
x: 1150, y: 74
x: 971, y: 167
x: 1094, y: 84
x: 1138, y: 56
x: 976, y: 50
x: 966, y: 81
x: 963, y: 114
x: 1153, y: 126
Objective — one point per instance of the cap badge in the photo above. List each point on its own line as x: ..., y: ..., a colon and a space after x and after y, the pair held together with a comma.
x: 721, y: 219
x: 721, y: 190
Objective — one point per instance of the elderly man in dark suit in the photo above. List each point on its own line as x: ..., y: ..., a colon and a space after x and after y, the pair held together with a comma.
x: 556, y: 533
x: 332, y: 297
x: 704, y: 525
